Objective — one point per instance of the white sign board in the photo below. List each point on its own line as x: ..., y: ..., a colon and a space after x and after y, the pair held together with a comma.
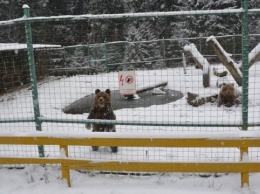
x: 127, y: 82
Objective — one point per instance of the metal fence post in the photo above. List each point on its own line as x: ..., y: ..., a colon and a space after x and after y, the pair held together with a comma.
x: 245, y: 47
x: 245, y: 67
x: 30, y: 53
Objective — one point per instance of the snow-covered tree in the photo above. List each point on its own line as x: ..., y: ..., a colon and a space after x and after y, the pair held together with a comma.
x: 105, y: 30
x: 130, y: 29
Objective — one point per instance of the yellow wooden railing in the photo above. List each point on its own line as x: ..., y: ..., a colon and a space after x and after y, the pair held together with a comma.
x: 133, y: 140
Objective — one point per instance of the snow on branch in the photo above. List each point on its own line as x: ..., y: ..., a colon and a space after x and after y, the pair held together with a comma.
x: 123, y: 15
x: 225, y: 59
x: 200, y: 61
x: 254, y: 56
x: 148, y: 87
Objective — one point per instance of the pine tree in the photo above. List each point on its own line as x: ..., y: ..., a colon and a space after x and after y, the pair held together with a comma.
x: 107, y: 29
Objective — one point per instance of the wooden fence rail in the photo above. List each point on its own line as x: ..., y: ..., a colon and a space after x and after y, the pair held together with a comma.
x: 136, y: 140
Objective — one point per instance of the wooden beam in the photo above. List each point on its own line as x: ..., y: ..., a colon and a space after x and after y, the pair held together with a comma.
x: 150, y: 87
x: 111, y: 139
x: 225, y: 60
x: 253, y: 57
x: 232, y: 167
x: 243, y: 166
x: 20, y: 160
x: 201, y: 62
x: 147, y: 88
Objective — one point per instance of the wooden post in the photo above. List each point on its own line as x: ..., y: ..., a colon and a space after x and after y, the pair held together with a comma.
x: 184, y: 63
x: 65, y: 172
x: 189, y: 53
x: 225, y: 59
x: 244, y: 175
x: 201, y: 62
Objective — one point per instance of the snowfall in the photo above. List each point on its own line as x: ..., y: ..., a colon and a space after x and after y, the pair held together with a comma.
x: 56, y: 93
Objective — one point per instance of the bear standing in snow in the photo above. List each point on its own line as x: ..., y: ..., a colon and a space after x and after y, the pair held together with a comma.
x: 228, y: 96
x: 102, y: 109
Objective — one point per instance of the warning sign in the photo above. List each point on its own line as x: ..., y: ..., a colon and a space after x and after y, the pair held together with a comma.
x: 127, y: 82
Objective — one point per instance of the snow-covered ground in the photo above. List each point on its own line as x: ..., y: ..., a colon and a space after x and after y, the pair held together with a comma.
x: 40, y: 180
x: 55, y: 94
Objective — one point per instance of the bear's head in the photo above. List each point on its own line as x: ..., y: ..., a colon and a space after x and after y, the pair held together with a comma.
x: 227, y: 89
x: 102, y: 99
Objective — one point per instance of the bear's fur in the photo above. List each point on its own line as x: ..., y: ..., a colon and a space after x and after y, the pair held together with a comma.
x: 102, y: 109
x: 228, y: 96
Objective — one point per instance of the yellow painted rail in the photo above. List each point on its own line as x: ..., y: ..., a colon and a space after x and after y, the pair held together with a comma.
x: 113, y: 139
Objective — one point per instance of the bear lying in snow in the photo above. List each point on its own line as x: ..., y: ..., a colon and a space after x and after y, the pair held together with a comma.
x: 102, y: 109
x: 228, y: 96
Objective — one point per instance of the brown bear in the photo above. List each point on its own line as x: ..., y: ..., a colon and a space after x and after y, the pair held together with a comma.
x: 228, y: 96
x: 102, y: 109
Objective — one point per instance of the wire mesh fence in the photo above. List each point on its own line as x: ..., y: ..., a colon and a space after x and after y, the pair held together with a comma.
x: 74, y: 57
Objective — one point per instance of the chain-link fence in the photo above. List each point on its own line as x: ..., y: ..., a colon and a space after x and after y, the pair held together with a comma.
x: 49, y: 77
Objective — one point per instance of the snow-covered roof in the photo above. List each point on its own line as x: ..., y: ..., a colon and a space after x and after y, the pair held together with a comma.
x: 18, y: 46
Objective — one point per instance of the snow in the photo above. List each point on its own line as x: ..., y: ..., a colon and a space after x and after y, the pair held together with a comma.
x: 227, y: 55
x: 136, y: 135
x: 63, y: 153
x: 158, y: 91
x: 150, y: 85
x: 42, y: 180
x: 55, y: 94
x: 19, y: 46
x: 106, y: 16
x: 254, y: 52
x: 25, y: 6
x: 195, y: 53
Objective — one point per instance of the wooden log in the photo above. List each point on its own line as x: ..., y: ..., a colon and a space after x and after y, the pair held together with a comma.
x: 206, y: 80
x: 150, y: 87
x: 219, y: 74
x: 147, y: 88
x: 225, y: 59
x: 253, y: 56
x: 189, y: 53
x: 195, y: 100
x: 201, y: 62
x: 254, y: 59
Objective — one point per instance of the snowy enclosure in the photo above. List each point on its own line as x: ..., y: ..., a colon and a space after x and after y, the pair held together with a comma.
x: 71, y: 64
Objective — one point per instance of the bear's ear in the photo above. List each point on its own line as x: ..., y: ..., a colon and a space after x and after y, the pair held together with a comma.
x: 108, y: 91
x: 97, y: 91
